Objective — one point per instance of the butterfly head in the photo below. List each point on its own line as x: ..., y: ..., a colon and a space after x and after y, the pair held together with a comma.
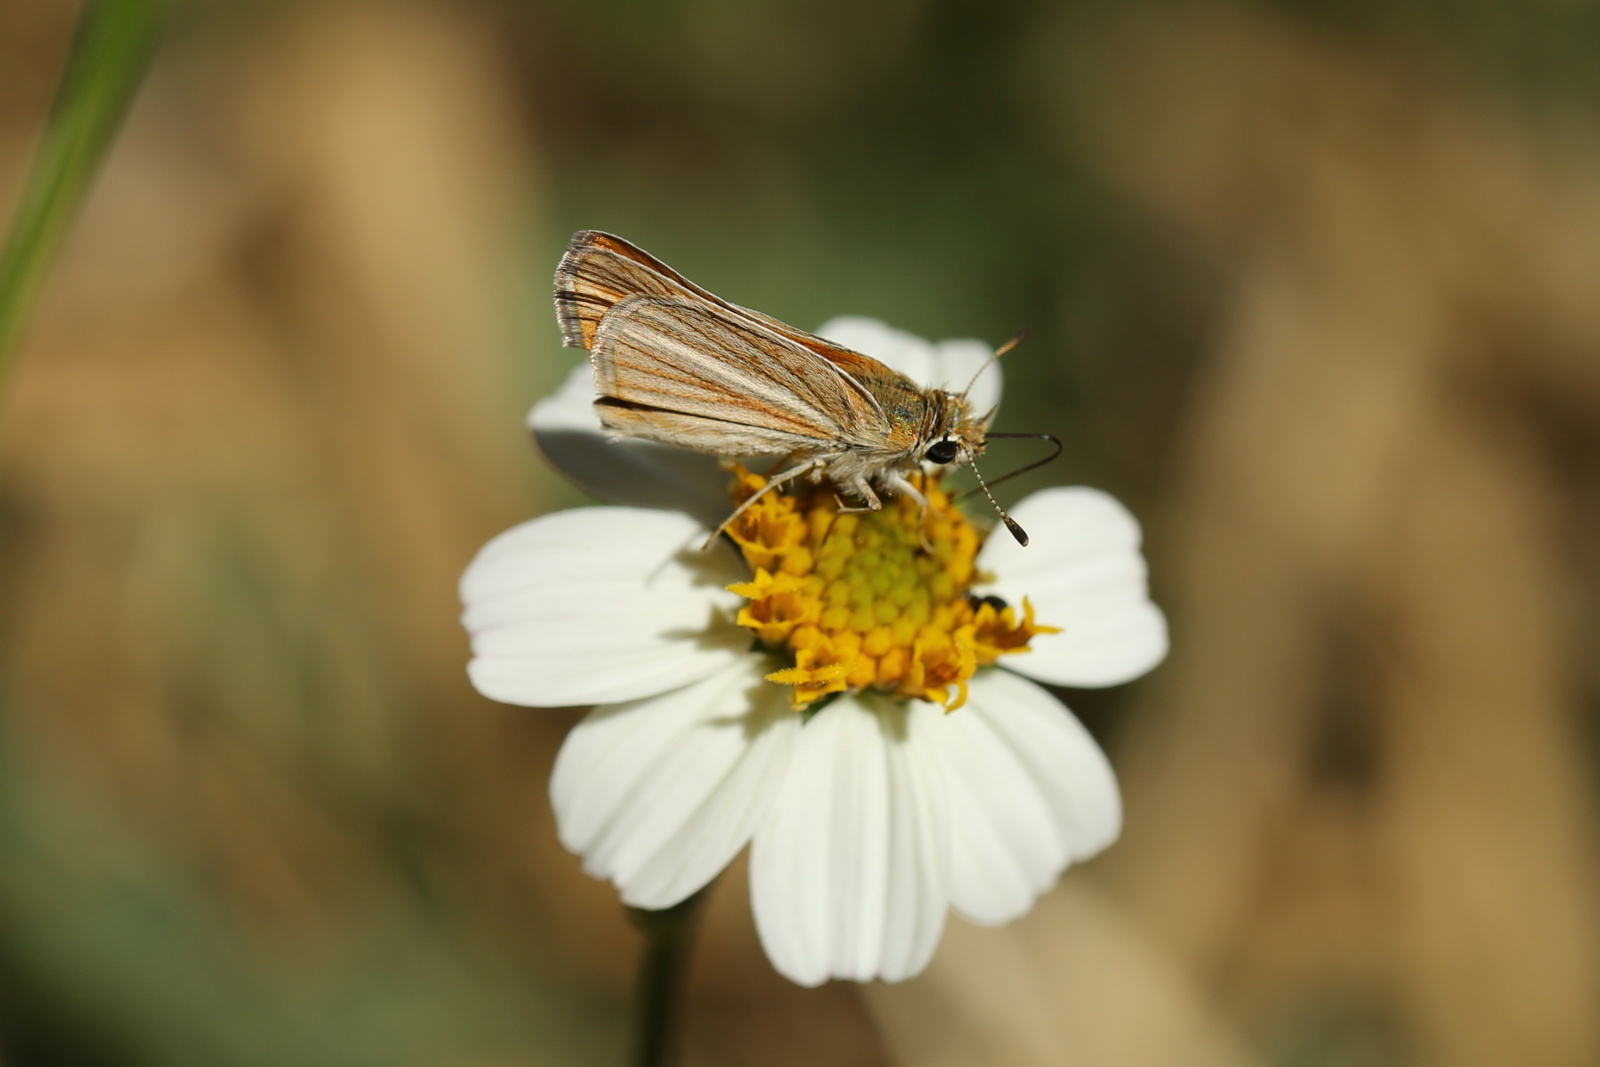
x: 956, y: 435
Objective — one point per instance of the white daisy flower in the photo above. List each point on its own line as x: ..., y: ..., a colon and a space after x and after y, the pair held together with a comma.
x: 866, y: 715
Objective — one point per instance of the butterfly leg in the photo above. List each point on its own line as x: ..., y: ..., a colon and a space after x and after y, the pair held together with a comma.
x: 772, y: 483
x: 896, y: 482
x: 861, y: 489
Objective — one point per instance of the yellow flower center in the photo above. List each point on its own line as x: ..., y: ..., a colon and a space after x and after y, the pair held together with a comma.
x: 871, y: 599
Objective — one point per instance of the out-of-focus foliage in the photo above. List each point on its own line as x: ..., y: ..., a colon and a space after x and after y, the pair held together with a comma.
x: 107, y: 63
x: 1311, y: 286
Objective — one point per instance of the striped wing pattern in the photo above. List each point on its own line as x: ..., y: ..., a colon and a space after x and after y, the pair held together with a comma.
x: 597, y: 271
x: 698, y: 433
x: 661, y: 345
x: 698, y: 359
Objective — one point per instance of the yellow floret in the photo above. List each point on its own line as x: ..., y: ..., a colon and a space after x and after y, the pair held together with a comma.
x: 877, y: 599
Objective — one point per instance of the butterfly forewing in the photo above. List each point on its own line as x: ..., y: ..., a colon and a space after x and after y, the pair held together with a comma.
x: 696, y: 432
x: 600, y: 269
x: 692, y: 358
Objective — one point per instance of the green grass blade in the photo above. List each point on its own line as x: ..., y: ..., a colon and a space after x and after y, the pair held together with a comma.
x: 112, y: 48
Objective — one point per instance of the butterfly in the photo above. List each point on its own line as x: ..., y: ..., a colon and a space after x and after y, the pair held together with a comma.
x: 676, y: 364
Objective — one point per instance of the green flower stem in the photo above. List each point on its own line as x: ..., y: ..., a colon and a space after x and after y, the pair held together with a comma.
x: 110, y: 53
x: 668, y: 939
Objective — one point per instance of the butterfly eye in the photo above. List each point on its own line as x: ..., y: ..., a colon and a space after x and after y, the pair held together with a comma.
x: 942, y: 451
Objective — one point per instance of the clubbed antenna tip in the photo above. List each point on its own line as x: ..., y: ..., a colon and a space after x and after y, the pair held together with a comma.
x: 1011, y: 524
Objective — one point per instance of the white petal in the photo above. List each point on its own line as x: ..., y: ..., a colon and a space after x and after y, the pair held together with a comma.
x: 948, y: 365
x: 1028, y: 791
x: 597, y: 605
x: 846, y: 873
x: 1083, y: 572
x: 659, y: 795
x: 901, y: 351
x: 638, y: 473
x: 956, y: 362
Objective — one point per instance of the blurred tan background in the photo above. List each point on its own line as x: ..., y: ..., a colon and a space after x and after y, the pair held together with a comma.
x: 1314, y: 287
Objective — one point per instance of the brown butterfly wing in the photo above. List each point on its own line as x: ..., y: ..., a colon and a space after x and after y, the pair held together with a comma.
x: 735, y: 376
x: 597, y: 271
x: 600, y: 269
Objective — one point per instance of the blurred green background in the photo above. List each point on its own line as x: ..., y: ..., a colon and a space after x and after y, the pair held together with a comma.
x: 1315, y: 288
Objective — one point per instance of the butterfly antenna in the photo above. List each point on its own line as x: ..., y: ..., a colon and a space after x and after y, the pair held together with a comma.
x: 1011, y: 524
x: 1036, y: 464
x: 1016, y: 340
